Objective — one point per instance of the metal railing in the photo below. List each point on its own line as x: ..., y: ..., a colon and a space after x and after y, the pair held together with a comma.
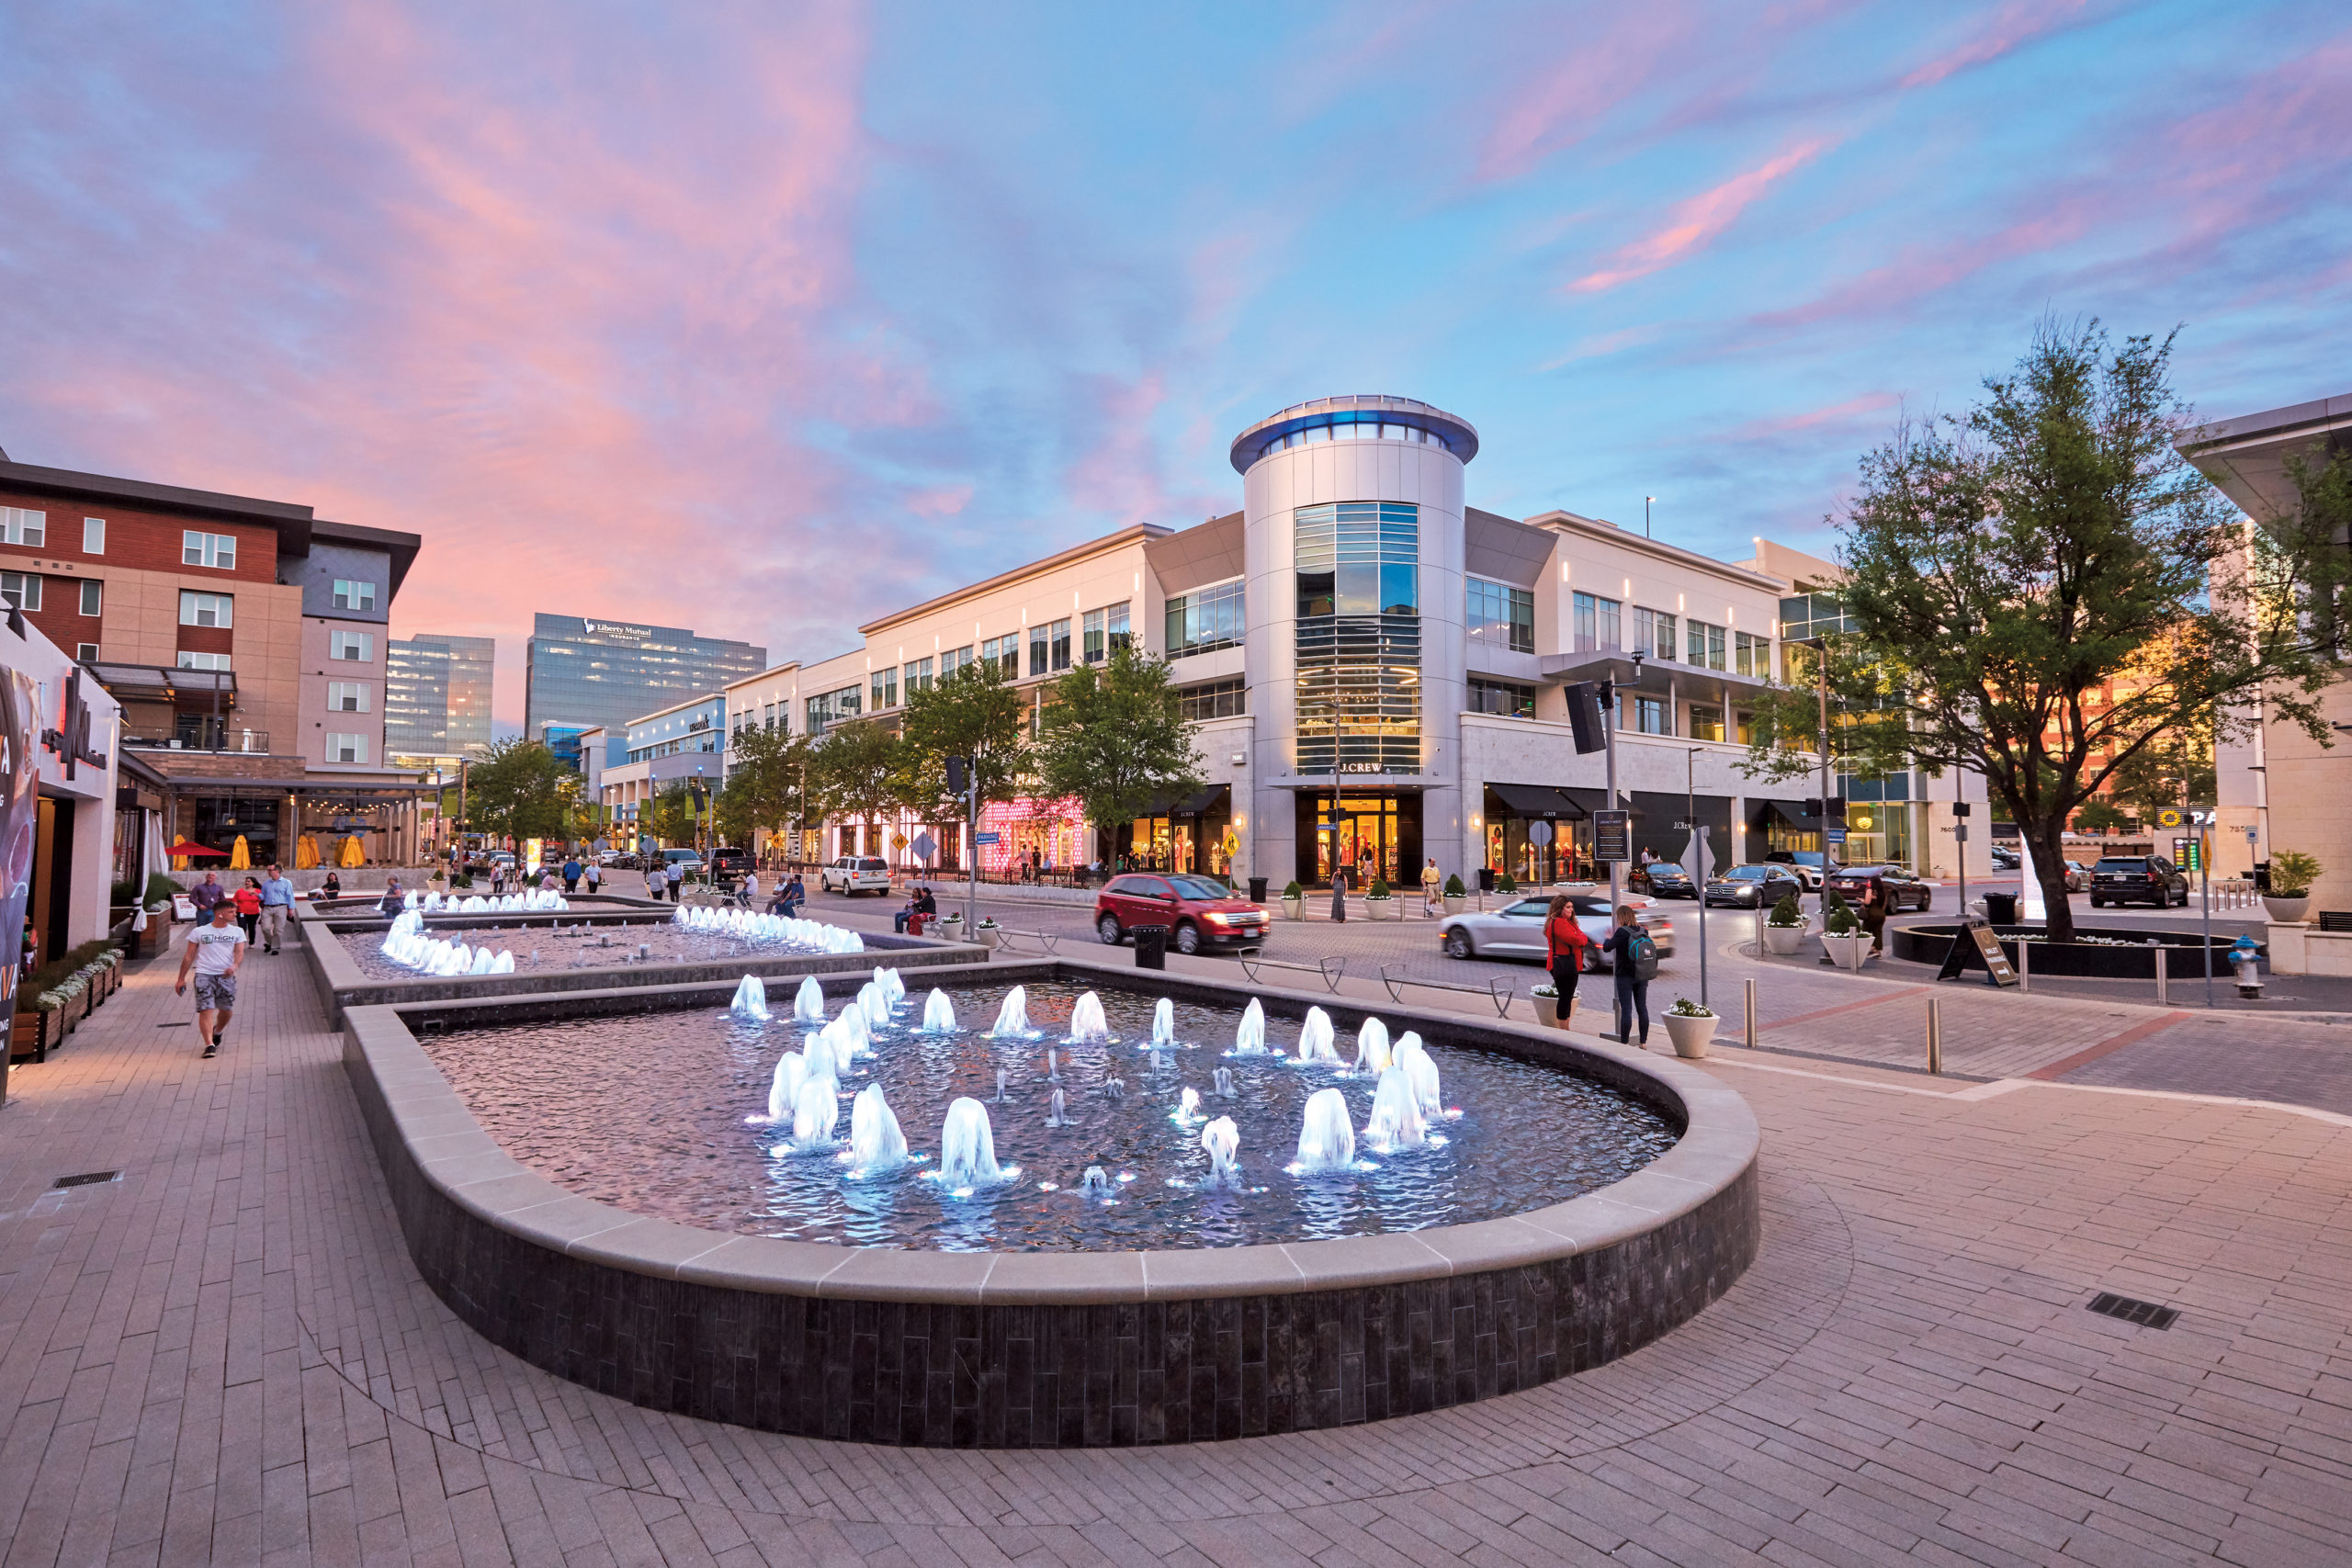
x: 229, y: 738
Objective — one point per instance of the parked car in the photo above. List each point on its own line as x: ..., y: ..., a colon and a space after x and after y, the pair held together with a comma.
x: 854, y: 873
x: 2138, y: 879
x: 730, y: 865
x: 1198, y: 911
x: 1806, y: 864
x: 618, y: 860
x: 1755, y: 886
x: 2006, y: 858
x: 1663, y: 879
x: 1903, y: 889
x: 2078, y: 876
x: 1516, y: 930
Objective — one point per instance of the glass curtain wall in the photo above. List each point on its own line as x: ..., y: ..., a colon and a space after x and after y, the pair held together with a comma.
x: 1358, y: 566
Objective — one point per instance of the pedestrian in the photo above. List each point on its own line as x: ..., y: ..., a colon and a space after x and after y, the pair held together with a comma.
x: 277, y: 909
x: 1633, y: 961
x: 213, y: 950
x: 572, y: 874
x: 206, y: 894
x: 1431, y: 882
x: 497, y: 877
x: 656, y: 881
x: 1567, y: 944
x: 1340, y: 895
x: 595, y: 874
x: 248, y: 902
x: 1874, y: 913
x: 393, y: 901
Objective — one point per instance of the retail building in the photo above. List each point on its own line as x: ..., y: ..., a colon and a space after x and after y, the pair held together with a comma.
x: 61, y: 760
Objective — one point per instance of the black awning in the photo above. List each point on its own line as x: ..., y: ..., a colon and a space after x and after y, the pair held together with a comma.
x: 1199, y: 803
x: 1534, y: 801
x: 1791, y: 811
x: 1590, y: 800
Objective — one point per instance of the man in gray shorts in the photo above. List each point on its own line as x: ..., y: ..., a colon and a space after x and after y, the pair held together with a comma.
x: 213, y: 951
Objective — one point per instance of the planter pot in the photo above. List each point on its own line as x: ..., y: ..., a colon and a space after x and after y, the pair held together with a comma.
x: 989, y: 936
x: 1547, y: 1012
x: 1294, y: 908
x: 2286, y: 911
x: 1783, y: 940
x: 1381, y: 909
x: 1454, y: 905
x: 1847, y: 952
x: 1690, y: 1036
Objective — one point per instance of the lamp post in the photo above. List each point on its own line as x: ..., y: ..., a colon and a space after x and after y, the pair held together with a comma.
x: 1820, y: 646
x: 1645, y: 515
x: 1705, y: 860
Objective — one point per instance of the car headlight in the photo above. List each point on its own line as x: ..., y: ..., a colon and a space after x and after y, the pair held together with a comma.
x: 1218, y: 917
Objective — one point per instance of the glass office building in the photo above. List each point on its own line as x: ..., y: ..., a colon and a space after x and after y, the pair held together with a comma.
x: 582, y: 673
x: 437, y: 698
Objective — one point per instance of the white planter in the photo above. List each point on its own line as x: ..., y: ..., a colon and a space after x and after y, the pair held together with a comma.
x: 1783, y: 940
x: 1454, y: 905
x: 1547, y: 1011
x: 1294, y: 908
x: 989, y: 936
x: 1847, y: 952
x: 2286, y: 911
x: 1380, y: 908
x: 1690, y: 1036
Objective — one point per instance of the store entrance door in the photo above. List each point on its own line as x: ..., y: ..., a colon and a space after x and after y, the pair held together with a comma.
x: 1368, y: 836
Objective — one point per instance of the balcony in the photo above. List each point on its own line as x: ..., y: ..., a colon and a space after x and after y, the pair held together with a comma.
x: 163, y: 683
x: 204, y: 735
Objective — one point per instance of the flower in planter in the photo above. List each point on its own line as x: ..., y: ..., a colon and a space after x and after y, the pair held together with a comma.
x: 1685, y: 1008
x: 1546, y: 991
x: 986, y: 924
x: 1505, y: 884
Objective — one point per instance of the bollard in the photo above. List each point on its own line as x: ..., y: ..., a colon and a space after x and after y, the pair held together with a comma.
x: 2156, y: 951
x: 1935, y: 1034
x: 2025, y: 973
x: 1751, y: 1022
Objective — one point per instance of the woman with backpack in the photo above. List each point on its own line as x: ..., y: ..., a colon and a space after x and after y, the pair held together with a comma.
x: 1633, y: 960
x: 1568, y: 945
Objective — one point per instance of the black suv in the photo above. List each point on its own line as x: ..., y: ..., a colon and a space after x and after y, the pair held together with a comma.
x: 2138, y: 879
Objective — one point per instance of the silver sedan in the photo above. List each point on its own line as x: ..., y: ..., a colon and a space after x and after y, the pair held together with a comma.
x: 1516, y: 930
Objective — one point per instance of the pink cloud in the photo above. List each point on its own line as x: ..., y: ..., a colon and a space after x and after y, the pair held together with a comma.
x: 2016, y: 23
x: 1853, y: 411
x: 1695, y: 223
x: 1594, y: 77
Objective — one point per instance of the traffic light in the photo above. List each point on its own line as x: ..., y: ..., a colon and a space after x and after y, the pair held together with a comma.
x: 957, y: 775
x: 1585, y: 705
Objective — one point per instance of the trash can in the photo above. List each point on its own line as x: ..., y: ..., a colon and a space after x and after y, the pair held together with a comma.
x: 2001, y: 908
x: 1151, y: 946
x: 1257, y: 890
x: 1486, y: 879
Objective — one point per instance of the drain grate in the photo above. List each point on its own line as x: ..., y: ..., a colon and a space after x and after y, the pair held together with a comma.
x: 2147, y: 1315
x: 87, y: 1179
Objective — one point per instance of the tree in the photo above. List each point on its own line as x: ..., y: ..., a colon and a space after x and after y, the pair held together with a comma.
x: 769, y: 777
x: 2008, y: 571
x: 2098, y: 817
x: 974, y: 713
x: 1115, y: 737
x: 2154, y: 778
x: 523, y: 790
x: 861, y: 766
x: 670, y: 815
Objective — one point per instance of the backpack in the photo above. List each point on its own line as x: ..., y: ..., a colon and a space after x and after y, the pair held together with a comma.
x: 1643, y: 954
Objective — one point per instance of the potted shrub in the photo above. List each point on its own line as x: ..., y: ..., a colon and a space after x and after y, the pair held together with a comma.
x: 1784, y: 928
x: 1842, y: 936
x: 951, y: 925
x: 1455, y: 895
x: 1293, y: 901
x: 1504, y: 884
x: 1691, y: 1027
x: 2291, y: 875
x: 988, y: 932
x: 1547, y: 1008
x: 1380, y: 903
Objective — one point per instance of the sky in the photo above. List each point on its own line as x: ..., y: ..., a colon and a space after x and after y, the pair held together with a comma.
x: 765, y: 318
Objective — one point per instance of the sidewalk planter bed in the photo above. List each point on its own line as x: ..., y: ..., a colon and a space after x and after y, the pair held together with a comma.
x: 1294, y: 902
x: 1379, y: 908
x: 1691, y: 1032
x: 1847, y: 952
x: 1454, y: 895
x: 2288, y: 911
x: 2291, y: 875
x: 2113, y: 952
x: 1783, y: 940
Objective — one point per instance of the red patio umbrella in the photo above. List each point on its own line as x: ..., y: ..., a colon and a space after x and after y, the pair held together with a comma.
x: 184, y: 847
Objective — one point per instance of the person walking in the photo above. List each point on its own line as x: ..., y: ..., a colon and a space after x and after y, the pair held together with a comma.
x: 572, y: 874
x: 214, y: 951
x: 277, y: 909
x: 1874, y: 913
x: 1431, y: 882
x: 1340, y: 895
x: 656, y: 882
x: 206, y: 894
x: 248, y: 902
x: 596, y: 876
x: 1568, y: 945
x: 1633, y: 960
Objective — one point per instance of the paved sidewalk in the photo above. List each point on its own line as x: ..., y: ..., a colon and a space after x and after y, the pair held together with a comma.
x: 226, y: 1357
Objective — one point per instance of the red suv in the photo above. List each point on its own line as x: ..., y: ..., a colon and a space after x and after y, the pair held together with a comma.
x: 1198, y: 911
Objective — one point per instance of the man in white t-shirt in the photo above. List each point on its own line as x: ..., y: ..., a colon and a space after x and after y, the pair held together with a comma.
x: 213, y: 951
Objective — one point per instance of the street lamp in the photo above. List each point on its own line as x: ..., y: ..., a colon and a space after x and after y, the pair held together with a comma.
x: 1705, y: 860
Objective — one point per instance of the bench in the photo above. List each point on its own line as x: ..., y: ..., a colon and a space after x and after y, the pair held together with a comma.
x: 1047, y: 942
x: 1498, y: 990
x: 1332, y: 970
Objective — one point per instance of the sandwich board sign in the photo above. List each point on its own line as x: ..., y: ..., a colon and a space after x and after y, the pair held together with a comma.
x: 1979, y: 941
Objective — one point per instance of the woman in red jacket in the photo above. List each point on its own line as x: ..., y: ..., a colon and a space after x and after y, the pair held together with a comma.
x: 1565, y: 941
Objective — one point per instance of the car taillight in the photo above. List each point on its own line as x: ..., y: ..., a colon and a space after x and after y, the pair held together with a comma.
x: 2153, y: 876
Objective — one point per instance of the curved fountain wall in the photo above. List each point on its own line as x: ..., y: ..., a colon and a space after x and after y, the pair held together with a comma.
x: 1063, y: 1349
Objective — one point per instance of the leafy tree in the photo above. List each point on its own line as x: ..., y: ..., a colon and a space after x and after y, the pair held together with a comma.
x: 974, y: 713
x: 1115, y: 737
x: 523, y: 790
x: 2098, y: 817
x: 860, y: 767
x: 2006, y: 568
x: 770, y: 784
x: 670, y: 815
x: 2151, y: 779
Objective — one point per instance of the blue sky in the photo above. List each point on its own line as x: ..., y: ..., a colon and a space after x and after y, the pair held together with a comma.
x: 765, y: 319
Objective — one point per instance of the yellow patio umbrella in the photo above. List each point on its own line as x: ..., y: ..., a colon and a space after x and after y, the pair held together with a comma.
x: 352, y: 853
x: 241, y: 857
x: 306, y: 854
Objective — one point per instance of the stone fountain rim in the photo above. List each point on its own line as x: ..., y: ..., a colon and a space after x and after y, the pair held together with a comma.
x: 455, y: 1155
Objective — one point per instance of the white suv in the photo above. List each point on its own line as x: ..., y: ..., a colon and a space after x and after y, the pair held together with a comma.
x: 854, y: 873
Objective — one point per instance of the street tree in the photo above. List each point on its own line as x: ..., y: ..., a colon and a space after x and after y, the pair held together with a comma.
x: 860, y: 767
x: 2043, y: 589
x: 768, y: 788
x: 670, y: 815
x: 523, y: 790
x: 1114, y: 737
x: 975, y: 712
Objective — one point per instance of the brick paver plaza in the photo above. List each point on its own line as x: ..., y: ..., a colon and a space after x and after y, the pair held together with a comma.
x: 227, y: 1357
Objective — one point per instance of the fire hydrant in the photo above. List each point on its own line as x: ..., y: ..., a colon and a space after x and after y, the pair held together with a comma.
x: 2246, y: 959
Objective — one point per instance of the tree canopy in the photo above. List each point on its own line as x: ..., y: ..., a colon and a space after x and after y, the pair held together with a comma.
x: 862, y: 765
x: 1114, y: 737
x: 2043, y: 589
x: 772, y: 781
x: 974, y: 713
x: 522, y: 789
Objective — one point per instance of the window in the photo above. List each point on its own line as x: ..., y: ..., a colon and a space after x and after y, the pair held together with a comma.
x: 1744, y: 729
x: 1500, y: 616
x: 357, y: 645
x: 1706, y: 644
x: 216, y: 550
x: 1204, y: 620
x: 1706, y: 723
x: 346, y: 696
x: 206, y: 609
x: 1650, y: 715
x: 1122, y: 635
x: 1505, y: 697
x: 94, y: 535
x: 1049, y: 646
x: 1004, y: 653
x: 19, y: 526
x: 1358, y: 557
x: 346, y: 747
x: 1218, y: 699
x: 1357, y: 580
x: 84, y: 652
x: 767, y: 710
x: 1597, y: 622
x: 353, y: 595
x: 21, y: 589
x: 1105, y: 632
x: 189, y: 661
x: 1751, y: 655
x: 1654, y: 633
x: 1092, y: 632
x: 918, y: 678
x: 955, y: 658
x: 93, y: 597
x: 832, y: 708
x: 882, y: 690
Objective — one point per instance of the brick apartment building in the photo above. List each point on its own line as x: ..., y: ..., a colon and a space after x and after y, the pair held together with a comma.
x: 246, y: 639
